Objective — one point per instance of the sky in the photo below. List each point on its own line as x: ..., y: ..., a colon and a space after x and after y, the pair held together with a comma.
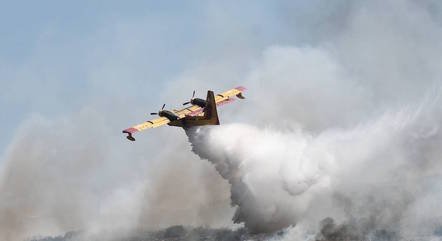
x: 58, y: 57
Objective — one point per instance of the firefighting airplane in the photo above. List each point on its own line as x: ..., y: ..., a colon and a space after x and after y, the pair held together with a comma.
x: 200, y: 112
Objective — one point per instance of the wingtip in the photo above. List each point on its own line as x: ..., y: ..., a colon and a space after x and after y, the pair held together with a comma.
x: 129, y: 132
x: 241, y: 88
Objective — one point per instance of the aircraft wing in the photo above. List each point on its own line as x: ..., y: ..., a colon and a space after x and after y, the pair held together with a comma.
x: 146, y: 125
x: 220, y: 99
x: 193, y: 110
x: 228, y: 96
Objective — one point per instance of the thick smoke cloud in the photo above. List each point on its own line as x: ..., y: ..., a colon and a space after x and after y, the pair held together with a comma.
x: 354, y: 130
x: 342, y: 136
x: 60, y: 175
x: 44, y: 189
x: 371, y: 175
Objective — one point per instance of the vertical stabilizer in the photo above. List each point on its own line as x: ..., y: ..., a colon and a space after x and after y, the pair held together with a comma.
x: 210, y: 111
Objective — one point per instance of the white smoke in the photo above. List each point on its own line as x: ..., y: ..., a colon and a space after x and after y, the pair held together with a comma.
x: 348, y: 130
x: 370, y: 174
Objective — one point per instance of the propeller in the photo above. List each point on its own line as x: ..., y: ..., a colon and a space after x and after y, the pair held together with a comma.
x: 190, y: 101
x: 162, y: 108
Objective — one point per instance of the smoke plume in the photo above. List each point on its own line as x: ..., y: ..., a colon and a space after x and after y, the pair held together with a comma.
x: 372, y: 173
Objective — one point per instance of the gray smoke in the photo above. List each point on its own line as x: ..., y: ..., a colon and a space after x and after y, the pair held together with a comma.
x: 331, y: 231
x: 60, y: 175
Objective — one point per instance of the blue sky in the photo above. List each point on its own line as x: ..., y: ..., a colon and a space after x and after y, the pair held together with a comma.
x: 58, y: 57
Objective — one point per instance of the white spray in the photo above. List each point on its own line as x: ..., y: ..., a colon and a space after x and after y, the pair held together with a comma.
x: 369, y: 175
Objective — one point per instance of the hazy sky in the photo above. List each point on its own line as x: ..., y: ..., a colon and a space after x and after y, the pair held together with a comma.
x: 58, y: 57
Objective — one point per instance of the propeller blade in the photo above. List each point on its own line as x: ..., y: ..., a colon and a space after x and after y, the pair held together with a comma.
x: 154, y: 113
x: 186, y: 103
x: 163, y: 106
x: 193, y: 94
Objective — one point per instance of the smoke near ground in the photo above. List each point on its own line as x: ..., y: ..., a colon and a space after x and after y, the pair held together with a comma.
x: 175, y: 233
x: 339, y: 137
x: 57, y: 181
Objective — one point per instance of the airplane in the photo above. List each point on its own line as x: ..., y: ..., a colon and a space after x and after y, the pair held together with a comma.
x: 200, y: 112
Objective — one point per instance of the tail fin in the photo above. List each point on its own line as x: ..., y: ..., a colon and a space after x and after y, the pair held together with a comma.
x: 209, y: 117
x: 210, y: 111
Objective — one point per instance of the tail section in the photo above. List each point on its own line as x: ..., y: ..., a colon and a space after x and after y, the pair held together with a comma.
x: 210, y: 111
x: 209, y: 117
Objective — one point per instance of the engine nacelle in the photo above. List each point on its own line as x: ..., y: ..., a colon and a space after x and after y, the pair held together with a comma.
x: 199, y: 102
x: 168, y: 114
